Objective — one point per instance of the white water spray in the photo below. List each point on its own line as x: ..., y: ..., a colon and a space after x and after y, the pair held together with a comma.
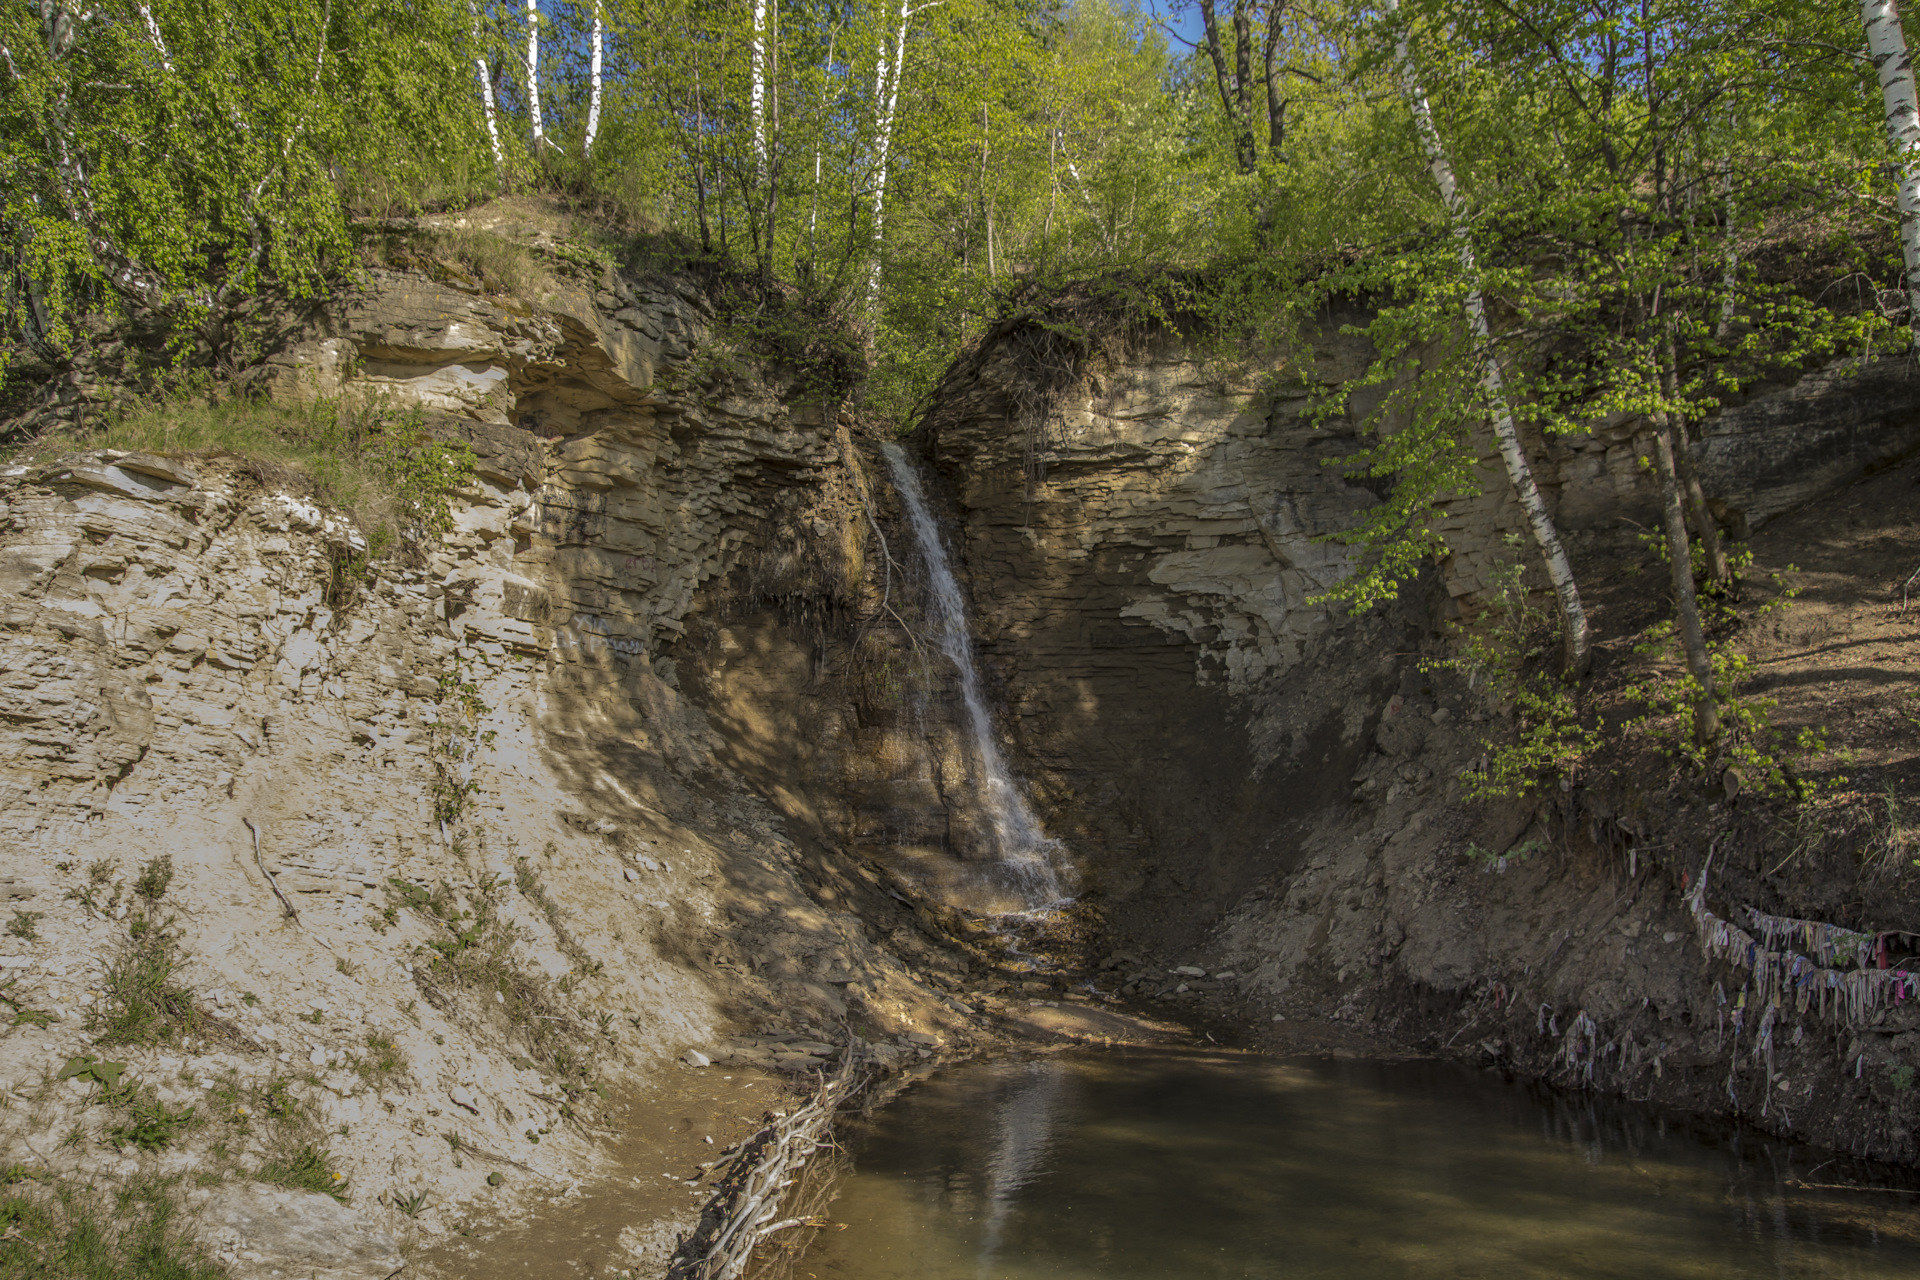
x: 1026, y: 853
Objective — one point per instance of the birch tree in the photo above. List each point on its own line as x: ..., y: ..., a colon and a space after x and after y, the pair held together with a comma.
x: 488, y: 110
x: 1573, y: 617
x: 757, y: 90
x: 534, y: 118
x: 1887, y: 46
x: 886, y: 92
x: 595, y: 41
x: 173, y: 158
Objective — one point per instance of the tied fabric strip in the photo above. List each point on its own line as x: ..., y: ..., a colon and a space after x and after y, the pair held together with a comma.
x: 1806, y: 976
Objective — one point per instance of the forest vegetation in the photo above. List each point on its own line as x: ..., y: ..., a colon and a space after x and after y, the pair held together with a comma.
x: 1556, y: 213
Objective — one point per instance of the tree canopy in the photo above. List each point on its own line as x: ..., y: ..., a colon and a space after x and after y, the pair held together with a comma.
x: 1557, y: 213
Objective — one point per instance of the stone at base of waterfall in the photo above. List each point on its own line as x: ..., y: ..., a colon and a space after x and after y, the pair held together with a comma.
x: 262, y: 1232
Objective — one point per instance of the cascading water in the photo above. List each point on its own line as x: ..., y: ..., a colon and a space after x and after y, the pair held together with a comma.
x: 1026, y: 853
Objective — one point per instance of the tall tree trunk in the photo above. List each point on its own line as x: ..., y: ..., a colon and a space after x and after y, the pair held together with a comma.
x: 771, y: 178
x: 533, y: 75
x: 1576, y: 654
x: 757, y: 91
x: 891, y: 74
x: 1699, y: 514
x: 1706, y: 714
x: 159, y: 41
x: 593, y: 96
x: 487, y: 108
x: 1276, y: 105
x: 813, y: 216
x: 1233, y: 89
x: 1887, y: 44
x: 700, y: 164
x: 1729, y: 259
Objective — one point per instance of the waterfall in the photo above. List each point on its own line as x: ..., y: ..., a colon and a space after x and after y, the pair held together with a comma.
x: 1025, y: 851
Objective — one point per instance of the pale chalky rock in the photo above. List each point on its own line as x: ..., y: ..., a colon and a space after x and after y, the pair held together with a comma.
x: 262, y: 1232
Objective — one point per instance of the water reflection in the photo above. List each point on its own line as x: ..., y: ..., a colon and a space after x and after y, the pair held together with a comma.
x: 1023, y: 1120
x: 1180, y: 1165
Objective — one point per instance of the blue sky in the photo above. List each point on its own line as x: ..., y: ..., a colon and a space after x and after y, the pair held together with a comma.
x: 1182, y: 19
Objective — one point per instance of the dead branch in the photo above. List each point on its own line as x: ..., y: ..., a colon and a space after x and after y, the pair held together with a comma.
x: 272, y: 884
x: 745, y: 1206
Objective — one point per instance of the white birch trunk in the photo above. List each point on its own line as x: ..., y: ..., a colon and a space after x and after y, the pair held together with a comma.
x: 1573, y: 616
x: 883, y: 146
x: 757, y: 90
x: 1887, y: 44
x: 492, y: 114
x: 813, y: 211
x: 533, y: 73
x: 487, y: 108
x: 159, y: 42
x: 593, y: 77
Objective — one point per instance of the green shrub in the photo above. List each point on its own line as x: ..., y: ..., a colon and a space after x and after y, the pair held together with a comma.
x: 145, y: 1003
x: 306, y: 1170
x: 1504, y: 653
x: 154, y: 879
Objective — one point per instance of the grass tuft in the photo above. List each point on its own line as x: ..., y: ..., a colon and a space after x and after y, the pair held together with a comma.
x: 384, y: 1061
x: 380, y: 465
x: 306, y: 1170
x: 145, y: 1002
x: 59, y: 1232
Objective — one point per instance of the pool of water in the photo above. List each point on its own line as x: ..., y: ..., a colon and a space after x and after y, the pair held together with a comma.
x: 1131, y: 1165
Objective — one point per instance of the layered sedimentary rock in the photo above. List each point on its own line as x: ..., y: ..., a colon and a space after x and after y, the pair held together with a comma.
x: 196, y: 667
x: 1144, y: 561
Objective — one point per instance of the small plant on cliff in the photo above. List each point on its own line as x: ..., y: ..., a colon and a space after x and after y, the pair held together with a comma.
x: 155, y: 878
x: 384, y: 1061
x: 147, y: 1122
x: 1504, y: 652
x: 26, y: 925
x: 145, y: 1003
x: 476, y: 955
x: 1487, y: 860
x: 305, y: 1169
x: 455, y: 744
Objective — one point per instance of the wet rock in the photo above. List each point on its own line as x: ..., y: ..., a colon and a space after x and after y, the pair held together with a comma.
x: 261, y: 1232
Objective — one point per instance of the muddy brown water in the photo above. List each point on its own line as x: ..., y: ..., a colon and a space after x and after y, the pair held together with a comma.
x: 1176, y: 1165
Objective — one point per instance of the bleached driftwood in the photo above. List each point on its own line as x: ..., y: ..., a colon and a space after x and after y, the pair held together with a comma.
x: 746, y: 1205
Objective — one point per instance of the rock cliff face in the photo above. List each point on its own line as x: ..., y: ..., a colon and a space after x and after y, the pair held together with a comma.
x: 1143, y: 566
x: 1269, y: 783
x: 478, y: 753
x: 652, y: 747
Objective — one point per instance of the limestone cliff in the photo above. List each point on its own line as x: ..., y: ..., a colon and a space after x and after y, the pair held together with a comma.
x: 1262, y: 780
x: 476, y: 754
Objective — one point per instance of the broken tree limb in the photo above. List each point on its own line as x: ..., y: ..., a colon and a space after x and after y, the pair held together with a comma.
x: 746, y: 1204
x: 272, y: 884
